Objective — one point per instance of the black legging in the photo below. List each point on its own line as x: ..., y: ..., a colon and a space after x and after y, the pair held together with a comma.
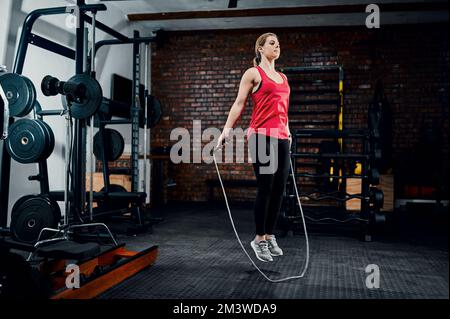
x: 271, y: 170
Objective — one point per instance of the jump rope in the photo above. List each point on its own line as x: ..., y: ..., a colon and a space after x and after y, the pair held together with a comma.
x: 237, y: 235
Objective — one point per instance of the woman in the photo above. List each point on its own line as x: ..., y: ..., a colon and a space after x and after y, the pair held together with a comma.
x: 269, y: 132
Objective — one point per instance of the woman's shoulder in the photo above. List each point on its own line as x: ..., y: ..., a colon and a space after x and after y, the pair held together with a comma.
x: 283, y: 75
x: 252, y: 73
x: 252, y: 70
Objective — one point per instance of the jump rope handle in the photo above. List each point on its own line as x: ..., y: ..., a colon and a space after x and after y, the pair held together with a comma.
x: 219, y: 147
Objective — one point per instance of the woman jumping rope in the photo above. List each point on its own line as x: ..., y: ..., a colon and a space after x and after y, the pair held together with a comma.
x: 268, y: 137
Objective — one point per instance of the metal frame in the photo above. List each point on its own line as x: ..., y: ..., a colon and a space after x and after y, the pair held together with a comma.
x: 77, y: 54
x: 136, y: 41
x: 339, y: 133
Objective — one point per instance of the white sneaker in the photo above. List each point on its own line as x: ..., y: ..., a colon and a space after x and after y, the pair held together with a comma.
x: 261, y: 250
x: 274, y: 249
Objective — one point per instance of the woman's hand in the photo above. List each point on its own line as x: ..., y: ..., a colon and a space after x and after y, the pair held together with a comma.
x: 290, y: 140
x: 223, y: 138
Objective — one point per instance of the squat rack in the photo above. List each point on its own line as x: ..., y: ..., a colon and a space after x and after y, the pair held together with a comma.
x: 103, y: 269
x: 78, y: 193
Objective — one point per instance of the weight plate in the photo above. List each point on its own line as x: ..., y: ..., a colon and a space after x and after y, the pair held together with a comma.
x: 27, y: 141
x: 50, y: 139
x: 29, y: 216
x: 33, y: 93
x: 92, y: 100
x: 56, y: 209
x: 20, y: 93
x: 154, y: 110
x: 376, y: 197
x: 114, y: 144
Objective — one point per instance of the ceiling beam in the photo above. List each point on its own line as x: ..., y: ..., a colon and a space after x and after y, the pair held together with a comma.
x: 239, y: 13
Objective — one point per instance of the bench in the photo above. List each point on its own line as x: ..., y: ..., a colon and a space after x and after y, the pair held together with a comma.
x: 212, y: 183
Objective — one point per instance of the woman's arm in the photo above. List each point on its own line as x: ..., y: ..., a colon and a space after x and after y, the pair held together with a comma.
x: 238, y: 106
x: 245, y: 87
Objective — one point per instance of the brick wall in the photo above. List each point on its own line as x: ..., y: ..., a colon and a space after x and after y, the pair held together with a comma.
x: 196, y: 76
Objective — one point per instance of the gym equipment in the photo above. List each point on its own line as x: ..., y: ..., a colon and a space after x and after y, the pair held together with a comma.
x: 155, y: 111
x: 4, y: 115
x: 82, y: 92
x: 376, y: 197
x: 20, y: 281
x: 302, y: 274
x: 113, y: 146
x: 50, y: 139
x: 374, y: 176
x: 31, y: 214
x: 20, y: 92
x: 367, y: 173
x: 380, y: 124
x: 329, y: 166
x: 110, y: 204
x: 100, y: 268
x: 319, y: 91
x: 122, y: 110
x: 30, y: 141
x: 134, y: 116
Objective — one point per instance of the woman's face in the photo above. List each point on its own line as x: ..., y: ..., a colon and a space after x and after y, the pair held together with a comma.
x: 271, y: 48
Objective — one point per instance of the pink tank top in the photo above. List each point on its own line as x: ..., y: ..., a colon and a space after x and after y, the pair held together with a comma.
x: 270, y: 107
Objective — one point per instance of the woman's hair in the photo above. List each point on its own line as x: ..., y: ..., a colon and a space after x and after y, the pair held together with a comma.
x: 259, y: 43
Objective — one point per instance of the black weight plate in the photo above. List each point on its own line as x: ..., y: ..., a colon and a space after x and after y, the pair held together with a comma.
x: 54, y: 204
x: 33, y: 100
x: 376, y: 197
x: 20, y: 93
x: 50, y: 139
x: 26, y: 141
x: 20, y: 202
x: 114, y: 144
x: 30, y: 216
x: 155, y: 111
x: 93, y: 97
x: 44, y: 154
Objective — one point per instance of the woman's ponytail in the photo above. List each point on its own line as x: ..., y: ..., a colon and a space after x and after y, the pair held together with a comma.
x: 257, y: 60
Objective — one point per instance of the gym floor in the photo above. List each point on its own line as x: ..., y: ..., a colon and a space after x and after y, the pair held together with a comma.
x: 199, y: 257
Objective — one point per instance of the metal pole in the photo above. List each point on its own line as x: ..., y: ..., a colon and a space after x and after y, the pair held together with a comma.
x: 91, y: 130
x: 149, y: 63
x: 145, y: 117
x: 135, y: 115
x: 67, y: 169
x: 80, y: 127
